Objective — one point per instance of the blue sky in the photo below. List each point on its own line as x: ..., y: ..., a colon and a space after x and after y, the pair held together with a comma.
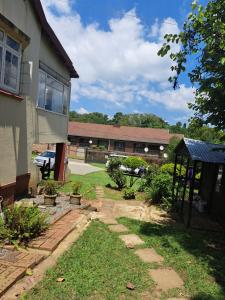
x: 113, y: 45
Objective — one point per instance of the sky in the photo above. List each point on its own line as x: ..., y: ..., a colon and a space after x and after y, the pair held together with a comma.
x: 113, y: 45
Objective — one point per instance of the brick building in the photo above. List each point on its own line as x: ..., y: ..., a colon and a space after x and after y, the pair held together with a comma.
x: 120, y: 139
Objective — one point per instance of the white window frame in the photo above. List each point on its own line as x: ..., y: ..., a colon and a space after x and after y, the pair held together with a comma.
x: 18, y: 54
x: 64, y: 86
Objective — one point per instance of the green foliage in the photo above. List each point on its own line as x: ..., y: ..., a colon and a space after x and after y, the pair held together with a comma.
x: 203, y: 42
x: 151, y: 172
x: 169, y: 168
x: 24, y: 223
x: 4, y: 232
x: 76, y: 187
x: 174, y: 141
x: 129, y: 193
x: 115, y: 174
x: 134, y: 162
x: 160, y: 191
x: 50, y: 187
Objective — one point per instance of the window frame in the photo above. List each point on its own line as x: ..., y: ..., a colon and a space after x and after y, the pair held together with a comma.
x: 18, y: 54
x: 116, y: 148
x: 65, y: 87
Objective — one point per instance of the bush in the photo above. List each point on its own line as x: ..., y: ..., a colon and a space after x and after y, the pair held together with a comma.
x: 169, y: 168
x: 161, y: 189
x: 119, y: 178
x: 24, y: 223
x: 129, y: 194
x: 4, y: 232
x: 151, y: 172
x: 115, y: 174
x: 76, y: 187
x: 134, y: 162
x: 50, y: 187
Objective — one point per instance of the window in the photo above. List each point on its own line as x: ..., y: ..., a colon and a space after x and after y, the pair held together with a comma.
x: 119, y: 146
x: 10, y: 58
x: 52, y: 94
x: 139, y: 148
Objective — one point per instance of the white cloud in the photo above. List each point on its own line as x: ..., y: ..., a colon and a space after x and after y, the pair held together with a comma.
x: 120, y: 65
x: 62, y: 6
x: 82, y: 111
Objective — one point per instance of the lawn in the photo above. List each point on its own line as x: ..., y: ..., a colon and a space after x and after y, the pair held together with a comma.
x: 191, y: 253
x: 90, y: 181
x: 98, y: 266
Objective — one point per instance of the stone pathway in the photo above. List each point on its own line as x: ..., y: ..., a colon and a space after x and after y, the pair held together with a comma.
x: 100, y: 192
x: 118, y: 228
x: 13, y: 266
x: 164, y: 278
x: 131, y: 240
x: 149, y: 255
x: 51, y: 238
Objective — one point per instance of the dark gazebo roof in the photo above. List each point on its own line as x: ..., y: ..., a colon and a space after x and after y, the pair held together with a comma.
x: 202, y: 151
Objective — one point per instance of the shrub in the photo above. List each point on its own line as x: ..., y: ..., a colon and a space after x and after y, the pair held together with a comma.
x: 4, y: 232
x: 24, y: 223
x: 151, y: 171
x: 128, y: 194
x: 115, y: 174
x: 76, y: 187
x: 169, y: 168
x: 161, y: 189
x: 119, y: 178
x: 134, y: 162
x: 50, y: 187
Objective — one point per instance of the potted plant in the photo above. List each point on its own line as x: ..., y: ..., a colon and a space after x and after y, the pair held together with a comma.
x: 75, y: 197
x: 50, y: 193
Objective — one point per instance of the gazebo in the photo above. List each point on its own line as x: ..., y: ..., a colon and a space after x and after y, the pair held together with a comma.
x: 204, y: 163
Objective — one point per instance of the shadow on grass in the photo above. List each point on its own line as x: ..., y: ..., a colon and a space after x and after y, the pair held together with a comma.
x: 207, y: 247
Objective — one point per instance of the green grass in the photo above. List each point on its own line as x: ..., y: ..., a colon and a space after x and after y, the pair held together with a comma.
x: 90, y: 181
x: 201, y: 267
x: 98, y: 266
x: 99, y: 165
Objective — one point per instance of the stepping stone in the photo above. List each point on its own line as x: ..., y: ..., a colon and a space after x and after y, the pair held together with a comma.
x: 166, y: 279
x: 118, y: 228
x: 109, y: 221
x: 131, y: 239
x: 149, y: 255
x: 177, y: 299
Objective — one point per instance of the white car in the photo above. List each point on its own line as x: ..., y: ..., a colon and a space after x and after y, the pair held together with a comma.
x: 44, y: 157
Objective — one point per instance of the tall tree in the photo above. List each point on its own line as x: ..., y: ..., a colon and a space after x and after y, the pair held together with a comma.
x: 202, y: 40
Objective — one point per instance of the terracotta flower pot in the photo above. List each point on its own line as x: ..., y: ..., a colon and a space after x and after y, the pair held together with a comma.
x: 75, y: 199
x: 50, y: 200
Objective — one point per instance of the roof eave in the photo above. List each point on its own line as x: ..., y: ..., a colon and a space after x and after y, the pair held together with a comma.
x: 53, y: 38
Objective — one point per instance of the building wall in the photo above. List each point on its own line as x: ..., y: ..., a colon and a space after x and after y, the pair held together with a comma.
x: 21, y: 123
x: 129, y: 145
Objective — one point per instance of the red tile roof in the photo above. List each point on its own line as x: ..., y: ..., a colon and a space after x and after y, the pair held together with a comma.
x: 123, y: 133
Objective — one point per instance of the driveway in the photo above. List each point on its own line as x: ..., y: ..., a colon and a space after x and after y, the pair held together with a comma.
x: 81, y: 168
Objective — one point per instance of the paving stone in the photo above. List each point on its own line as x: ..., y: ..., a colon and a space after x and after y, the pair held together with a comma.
x: 8, y: 276
x: 166, y: 279
x: 149, y: 255
x: 118, y: 228
x: 131, y: 239
x: 177, y: 299
x: 50, y: 239
x: 109, y: 221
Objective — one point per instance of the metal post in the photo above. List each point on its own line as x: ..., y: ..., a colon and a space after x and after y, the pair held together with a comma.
x: 185, y: 184
x: 174, y: 177
x: 179, y: 175
x: 191, y: 194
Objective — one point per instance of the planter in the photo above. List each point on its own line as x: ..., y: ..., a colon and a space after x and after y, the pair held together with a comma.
x: 75, y: 199
x: 50, y: 200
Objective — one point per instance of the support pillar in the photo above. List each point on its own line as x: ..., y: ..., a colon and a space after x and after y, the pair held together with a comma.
x: 59, y: 173
x: 191, y: 194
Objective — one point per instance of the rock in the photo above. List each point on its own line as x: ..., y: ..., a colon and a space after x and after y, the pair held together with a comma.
x: 60, y: 279
x: 130, y: 286
x: 92, y: 208
x: 130, y: 246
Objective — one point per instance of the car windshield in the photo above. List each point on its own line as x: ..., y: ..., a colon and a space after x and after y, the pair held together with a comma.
x: 48, y: 154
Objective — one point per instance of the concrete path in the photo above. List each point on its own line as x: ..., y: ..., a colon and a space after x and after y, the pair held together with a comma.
x: 81, y: 168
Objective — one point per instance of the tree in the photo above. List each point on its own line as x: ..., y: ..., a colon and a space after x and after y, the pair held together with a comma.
x: 202, y: 40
